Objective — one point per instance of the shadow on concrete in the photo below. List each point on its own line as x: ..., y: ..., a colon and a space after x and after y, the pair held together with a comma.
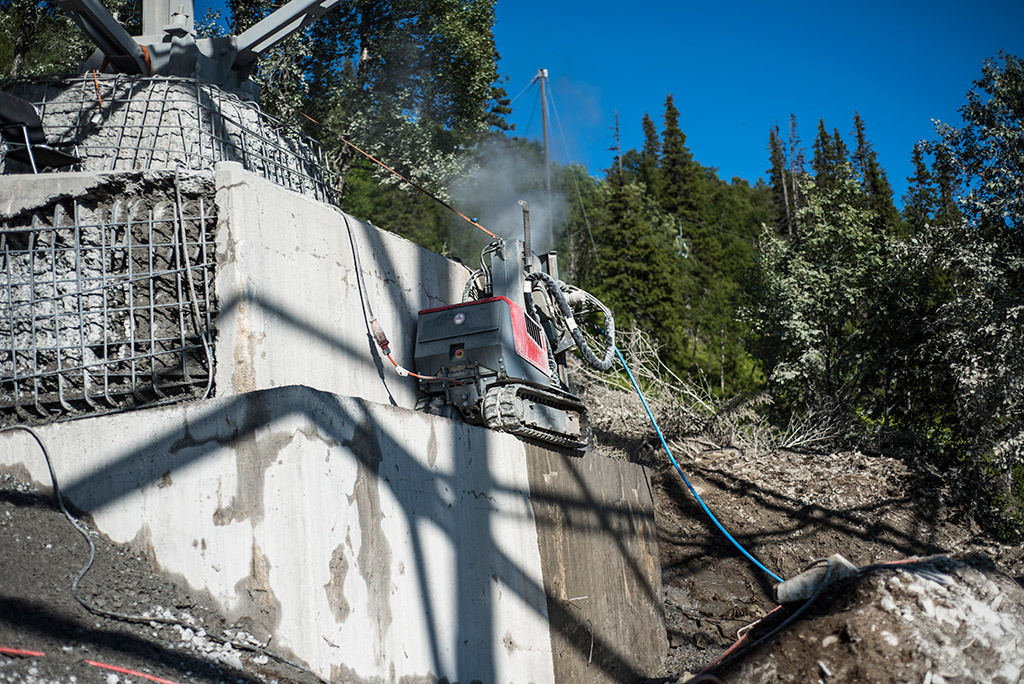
x: 416, y: 492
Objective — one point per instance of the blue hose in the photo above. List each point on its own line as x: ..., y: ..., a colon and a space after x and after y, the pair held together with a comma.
x: 685, y: 479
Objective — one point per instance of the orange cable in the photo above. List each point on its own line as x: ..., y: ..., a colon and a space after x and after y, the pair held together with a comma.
x: 133, y: 673
x: 410, y: 182
x: 21, y: 652
x: 146, y: 59
x: 424, y: 377
x: 96, y: 80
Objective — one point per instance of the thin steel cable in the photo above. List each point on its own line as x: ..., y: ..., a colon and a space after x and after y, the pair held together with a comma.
x: 572, y: 174
x: 530, y: 83
x: 396, y: 173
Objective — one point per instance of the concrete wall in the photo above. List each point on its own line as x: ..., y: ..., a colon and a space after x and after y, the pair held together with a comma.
x: 376, y: 543
x: 602, y: 577
x: 293, y: 310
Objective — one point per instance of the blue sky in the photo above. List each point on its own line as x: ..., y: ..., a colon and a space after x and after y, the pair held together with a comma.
x: 735, y: 69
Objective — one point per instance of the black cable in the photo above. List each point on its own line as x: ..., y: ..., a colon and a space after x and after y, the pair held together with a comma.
x: 553, y: 287
x: 797, y: 613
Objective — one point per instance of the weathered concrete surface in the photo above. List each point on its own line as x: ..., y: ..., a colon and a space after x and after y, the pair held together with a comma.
x: 602, y: 578
x: 373, y: 542
x: 293, y: 310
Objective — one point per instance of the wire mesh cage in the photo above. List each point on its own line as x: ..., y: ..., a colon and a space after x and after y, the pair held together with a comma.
x: 108, y: 303
x: 120, y: 122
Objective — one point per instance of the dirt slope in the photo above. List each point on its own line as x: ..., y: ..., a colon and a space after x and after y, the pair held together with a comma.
x: 789, y: 509
x: 40, y: 555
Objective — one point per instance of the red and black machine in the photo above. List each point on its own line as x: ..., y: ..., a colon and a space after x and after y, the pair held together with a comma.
x: 498, y: 358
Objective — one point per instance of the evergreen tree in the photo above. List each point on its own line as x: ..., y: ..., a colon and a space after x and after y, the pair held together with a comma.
x: 682, y: 194
x: 826, y: 159
x: 632, y: 271
x: 920, y: 200
x: 874, y: 183
x: 648, y: 171
x: 796, y: 164
x: 842, y: 153
x: 778, y: 176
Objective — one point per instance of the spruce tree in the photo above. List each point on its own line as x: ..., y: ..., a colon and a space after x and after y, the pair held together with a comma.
x: 823, y: 161
x: 681, y: 193
x: 648, y: 171
x: 633, y: 273
x: 920, y: 199
x: 779, y: 176
x: 796, y: 164
x: 875, y: 184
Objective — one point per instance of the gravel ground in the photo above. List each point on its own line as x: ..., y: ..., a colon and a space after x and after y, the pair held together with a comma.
x: 47, y: 636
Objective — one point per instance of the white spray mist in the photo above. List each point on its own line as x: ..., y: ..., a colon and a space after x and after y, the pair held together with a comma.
x: 503, y: 175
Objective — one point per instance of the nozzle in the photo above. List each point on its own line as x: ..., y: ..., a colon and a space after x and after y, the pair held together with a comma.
x: 380, y: 338
x: 526, y: 235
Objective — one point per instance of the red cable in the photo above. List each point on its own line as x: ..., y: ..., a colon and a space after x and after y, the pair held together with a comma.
x: 133, y: 673
x: 20, y: 652
x: 732, y: 649
x: 96, y: 80
x: 423, y: 377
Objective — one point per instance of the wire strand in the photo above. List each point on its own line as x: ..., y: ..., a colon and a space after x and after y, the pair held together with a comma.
x: 572, y: 174
x: 396, y: 173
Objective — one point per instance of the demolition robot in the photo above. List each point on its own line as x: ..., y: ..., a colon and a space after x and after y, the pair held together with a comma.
x: 498, y: 358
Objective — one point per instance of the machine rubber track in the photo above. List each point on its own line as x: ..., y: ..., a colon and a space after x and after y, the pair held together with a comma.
x: 539, y: 413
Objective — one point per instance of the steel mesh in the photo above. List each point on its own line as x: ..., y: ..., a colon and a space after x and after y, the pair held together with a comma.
x: 106, y: 306
x: 120, y: 122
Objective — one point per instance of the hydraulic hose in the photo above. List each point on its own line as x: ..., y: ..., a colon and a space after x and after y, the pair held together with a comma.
x: 686, y: 480
x: 553, y: 287
x: 471, y: 285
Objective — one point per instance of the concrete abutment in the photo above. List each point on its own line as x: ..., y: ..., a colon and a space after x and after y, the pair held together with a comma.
x: 373, y: 542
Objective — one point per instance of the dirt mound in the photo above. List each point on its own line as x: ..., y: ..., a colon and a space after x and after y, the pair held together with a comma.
x: 790, y: 508
x: 938, y: 620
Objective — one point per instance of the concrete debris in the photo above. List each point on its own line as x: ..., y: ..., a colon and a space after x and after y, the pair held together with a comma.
x: 940, y: 620
x: 108, y: 297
